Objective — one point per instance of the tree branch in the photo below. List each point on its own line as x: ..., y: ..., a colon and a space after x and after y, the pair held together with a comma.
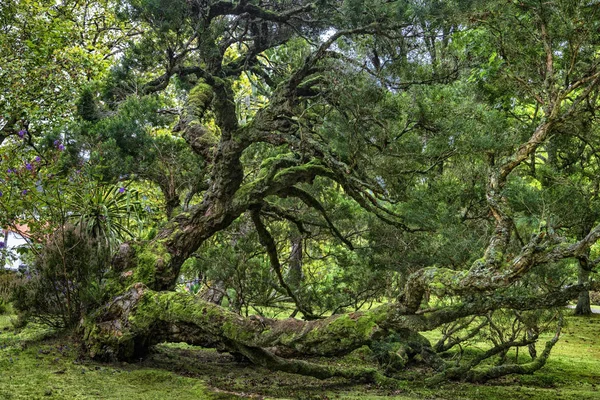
x: 268, y: 243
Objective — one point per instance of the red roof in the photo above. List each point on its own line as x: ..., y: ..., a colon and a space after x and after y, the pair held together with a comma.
x: 22, y: 230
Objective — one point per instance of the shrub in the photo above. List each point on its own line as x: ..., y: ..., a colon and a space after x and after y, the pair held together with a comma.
x: 65, y: 280
x: 9, y: 280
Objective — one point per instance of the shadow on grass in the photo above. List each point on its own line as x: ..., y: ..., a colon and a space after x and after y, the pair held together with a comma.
x: 224, y: 373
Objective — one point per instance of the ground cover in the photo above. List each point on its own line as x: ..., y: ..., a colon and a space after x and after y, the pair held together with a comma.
x: 34, y: 364
x: 38, y: 365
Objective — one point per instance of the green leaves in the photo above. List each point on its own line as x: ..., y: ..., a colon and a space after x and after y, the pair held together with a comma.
x: 107, y: 214
x: 47, y: 52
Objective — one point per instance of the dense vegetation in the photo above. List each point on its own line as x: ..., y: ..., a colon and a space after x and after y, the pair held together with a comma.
x: 293, y: 182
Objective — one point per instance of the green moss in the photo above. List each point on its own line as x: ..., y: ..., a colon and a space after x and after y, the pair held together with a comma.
x: 235, y: 332
x: 478, y: 264
x: 37, y: 368
x: 180, y: 307
x: 204, y: 137
x: 442, y: 279
x: 199, y: 99
x: 308, y: 168
x: 150, y: 258
x: 278, y: 159
x: 343, y: 332
x: 244, y: 193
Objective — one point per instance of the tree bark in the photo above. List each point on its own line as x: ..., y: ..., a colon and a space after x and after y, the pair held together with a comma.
x: 583, y: 306
x: 215, y: 293
x: 4, y: 249
x: 295, y: 274
x: 131, y: 323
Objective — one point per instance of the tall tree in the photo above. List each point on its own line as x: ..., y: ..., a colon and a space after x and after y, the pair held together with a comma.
x: 357, y: 94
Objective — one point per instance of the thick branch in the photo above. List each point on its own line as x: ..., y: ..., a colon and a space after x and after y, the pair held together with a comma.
x: 243, y: 7
x: 141, y: 317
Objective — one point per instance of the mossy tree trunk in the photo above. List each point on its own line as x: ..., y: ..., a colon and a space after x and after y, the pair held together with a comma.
x: 144, y: 310
x: 126, y: 328
x: 583, y: 306
x: 585, y: 266
x: 295, y: 274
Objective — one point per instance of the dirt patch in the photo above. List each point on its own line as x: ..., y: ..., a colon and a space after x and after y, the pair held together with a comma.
x: 225, y: 374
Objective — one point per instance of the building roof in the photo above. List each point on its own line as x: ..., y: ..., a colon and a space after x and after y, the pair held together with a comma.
x: 22, y: 230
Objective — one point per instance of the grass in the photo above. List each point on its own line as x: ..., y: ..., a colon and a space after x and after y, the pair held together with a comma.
x: 37, y: 365
x: 572, y: 372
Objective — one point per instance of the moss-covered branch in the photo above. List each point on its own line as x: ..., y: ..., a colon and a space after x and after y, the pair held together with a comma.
x: 126, y: 327
x: 484, y: 277
x: 142, y: 317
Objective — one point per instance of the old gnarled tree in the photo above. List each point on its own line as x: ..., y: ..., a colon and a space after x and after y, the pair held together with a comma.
x: 548, y: 68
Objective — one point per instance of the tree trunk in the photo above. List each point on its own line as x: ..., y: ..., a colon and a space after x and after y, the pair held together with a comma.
x: 583, y: 301
x: 295, y: 274
x: 127, y: 326
x: 4, y: 249
x: 143, y: 315
x: 214, y: 293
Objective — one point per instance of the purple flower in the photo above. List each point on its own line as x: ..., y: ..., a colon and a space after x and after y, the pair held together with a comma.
x: 2, y: 245
x: 56, y: 142
x: 1, y: 193
x: 24, y: 192
x: 121, y: 190
x: 38, y: 159
x: 61, y: 147
x: 28, y: 166
x: 9, y: 171
x: 22, y: 132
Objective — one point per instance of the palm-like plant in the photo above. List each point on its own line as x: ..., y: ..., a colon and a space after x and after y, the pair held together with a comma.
x: 106, y: 213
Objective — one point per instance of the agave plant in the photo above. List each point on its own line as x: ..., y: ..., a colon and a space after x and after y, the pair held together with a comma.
x: 106, y: 213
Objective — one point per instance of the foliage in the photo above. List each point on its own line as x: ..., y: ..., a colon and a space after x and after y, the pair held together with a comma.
x: 595, y: 298
x: 65, y: 281
x: 49, y: 53
x: 8, y: 282
x: 106, y: 214
x: 322, y: 156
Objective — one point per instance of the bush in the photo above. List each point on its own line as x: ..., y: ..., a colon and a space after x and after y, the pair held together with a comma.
x: 65, y: 281
x: 9, y: 280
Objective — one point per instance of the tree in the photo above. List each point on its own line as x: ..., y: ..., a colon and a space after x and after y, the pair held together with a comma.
x: 49, y: 52
x: 357, y: 95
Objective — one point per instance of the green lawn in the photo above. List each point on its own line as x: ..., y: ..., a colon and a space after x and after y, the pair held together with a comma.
x: 35, y: 366
x: 49, y: 369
